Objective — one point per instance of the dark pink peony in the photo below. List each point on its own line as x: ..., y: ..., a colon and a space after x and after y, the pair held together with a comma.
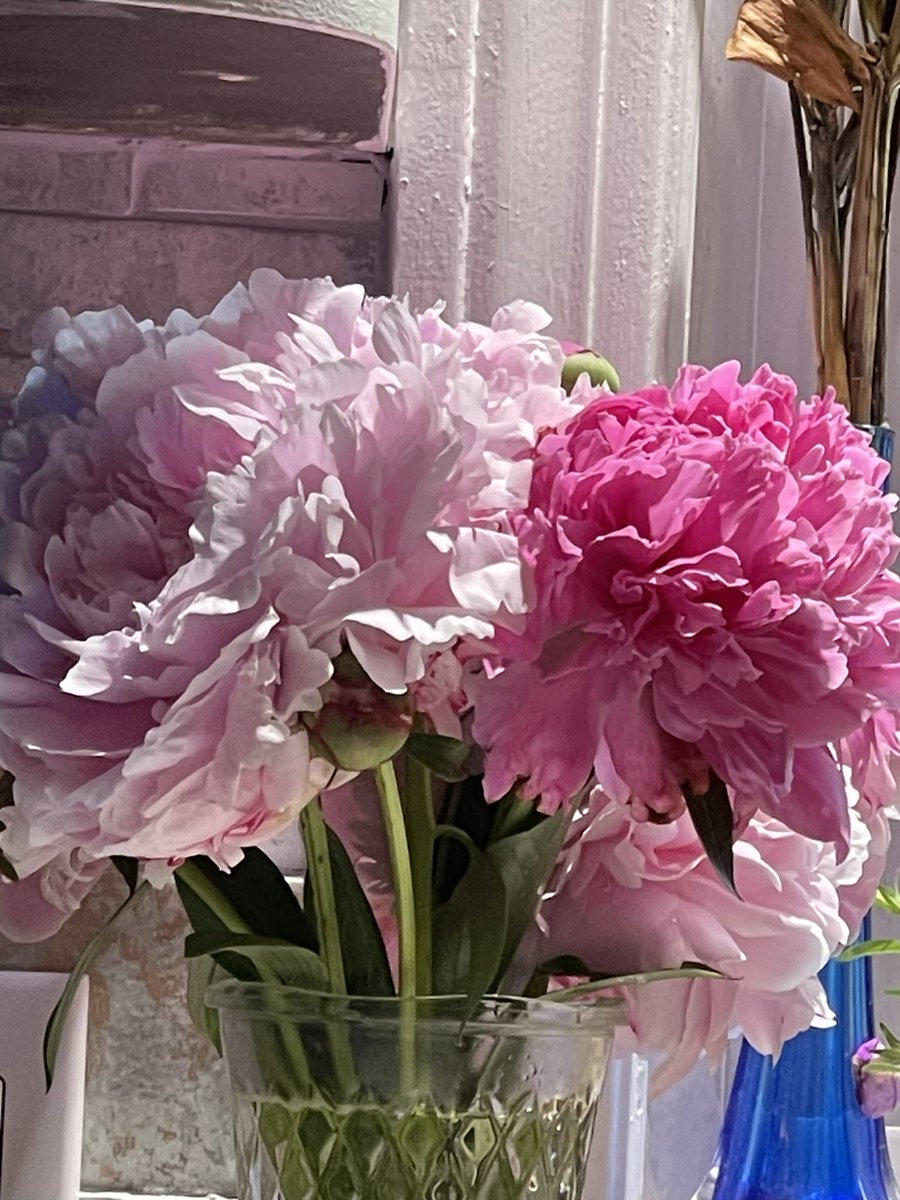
x: 711, y: 590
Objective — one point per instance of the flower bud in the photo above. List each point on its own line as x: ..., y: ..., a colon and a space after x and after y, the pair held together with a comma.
x: 585, y: 362
x: 878, y: 1091
x: 359, y: 726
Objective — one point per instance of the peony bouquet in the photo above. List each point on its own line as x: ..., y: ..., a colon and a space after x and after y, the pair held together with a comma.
x: 569, y: 690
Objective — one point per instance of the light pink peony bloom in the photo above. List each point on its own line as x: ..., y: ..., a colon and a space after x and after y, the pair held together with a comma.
x: 198, y: 518
x: 711, y: 582
x: 636, y: 896
x: 38, y: 906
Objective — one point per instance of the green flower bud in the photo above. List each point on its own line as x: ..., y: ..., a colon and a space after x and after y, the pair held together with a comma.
x: 359, y: 726
x: 595, y: 366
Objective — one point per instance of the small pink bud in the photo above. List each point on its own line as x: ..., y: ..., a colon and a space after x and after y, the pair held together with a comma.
x: 878, y: 1091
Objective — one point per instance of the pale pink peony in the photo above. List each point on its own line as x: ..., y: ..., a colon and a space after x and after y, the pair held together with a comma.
x: 38, y: 906
x: 198, y: 518
x: 711, y: 583
x: 636, y: 896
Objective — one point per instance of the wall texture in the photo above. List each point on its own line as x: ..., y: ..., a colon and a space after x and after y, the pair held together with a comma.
x: 156, y: 1107
x: 550, y: 150
x: 87, y: 222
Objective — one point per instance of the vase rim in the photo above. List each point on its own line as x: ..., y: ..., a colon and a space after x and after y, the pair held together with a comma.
x: 510, y: 1015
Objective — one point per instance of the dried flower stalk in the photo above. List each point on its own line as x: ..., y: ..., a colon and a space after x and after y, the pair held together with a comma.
x: 843, y: 105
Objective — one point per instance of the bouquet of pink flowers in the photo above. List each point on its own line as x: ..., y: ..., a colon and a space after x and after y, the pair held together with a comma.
x: 623, y: 669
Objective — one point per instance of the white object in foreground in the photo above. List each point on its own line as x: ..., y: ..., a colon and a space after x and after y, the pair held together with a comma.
x: 40, y: 1132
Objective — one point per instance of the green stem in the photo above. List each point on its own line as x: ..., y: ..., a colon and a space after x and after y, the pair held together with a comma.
x: 512, y: 816
x: 401, y: 866
x: 318, y: 863
x: 204, y: 889
x: 638, y: 979
x: 392, y: 810
x: 418, y: 812
x: 457, y: 835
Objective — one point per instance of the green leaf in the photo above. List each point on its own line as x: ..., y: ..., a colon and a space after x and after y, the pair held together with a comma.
x: 7, y: 870
x: 444, y: 756
x: 512, y: 815
x: 890, y: 1038
x: 888, y: 898
x: 270, y: 960
x: 201, y: 973
x: 569, y: 964
x: 259, y: 894
x: 89, y: 956
x: 129, y: 869
x: 366, y: 967
x: 885, y: 1062
x: 714, y: 822
x: 470, y: 932
x: 598, y: 983
x: 873, y: 946
x: 464, y: 808
x: 524, y: 862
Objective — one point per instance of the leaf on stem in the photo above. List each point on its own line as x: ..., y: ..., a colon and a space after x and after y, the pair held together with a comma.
x: 888, y: 898
x: 598, y: 982
x: 443, y: 756
x: 7, y: 870
x: 470, y: 932
x: 802, y: 43
x: 251, y: 958
x: 129, y: 869
x: 870, y: 948
x: 258, y: 892
x: 524, y: 862
x: 713, y: 820
x: 201, y: 973
x: 89, y: 956
x: 366, y: 967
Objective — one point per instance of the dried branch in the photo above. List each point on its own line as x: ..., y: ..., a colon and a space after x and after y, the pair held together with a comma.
x: 872, y: 14
x: 828, y: 315
x: 866, y: 250
x: 806, y: 203
x: 804, y: 44
x: 847, y: 168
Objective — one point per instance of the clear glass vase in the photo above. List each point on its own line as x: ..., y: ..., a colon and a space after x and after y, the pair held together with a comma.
x: 360, y: 1098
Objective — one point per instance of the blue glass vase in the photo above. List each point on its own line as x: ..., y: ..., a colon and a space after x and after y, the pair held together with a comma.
x: 793, y: 1129
x: 882, y: 443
